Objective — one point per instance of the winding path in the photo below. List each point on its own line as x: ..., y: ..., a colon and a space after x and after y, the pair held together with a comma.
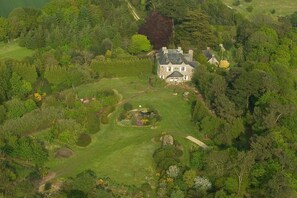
x: 132, y: 11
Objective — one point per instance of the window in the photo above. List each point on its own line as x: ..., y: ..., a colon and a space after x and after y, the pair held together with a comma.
x: 168, y: 68
x: 183, y: 69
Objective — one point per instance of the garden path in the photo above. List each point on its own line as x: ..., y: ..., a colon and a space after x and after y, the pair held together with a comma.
x: 196, y: 141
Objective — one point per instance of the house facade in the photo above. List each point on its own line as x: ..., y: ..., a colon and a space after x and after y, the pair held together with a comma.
x: 174, y: 66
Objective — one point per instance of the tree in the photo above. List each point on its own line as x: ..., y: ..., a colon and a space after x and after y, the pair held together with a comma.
x: 20, y: 88
x: 158, y: 29
x: 139, y: 43
x: 195, y: 29
x: 4, y: 29
x: 189, y: 177
x: 175, y: 9
x: 261, y: 44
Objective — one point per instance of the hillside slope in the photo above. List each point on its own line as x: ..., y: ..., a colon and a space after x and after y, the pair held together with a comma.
x: 7, y: 6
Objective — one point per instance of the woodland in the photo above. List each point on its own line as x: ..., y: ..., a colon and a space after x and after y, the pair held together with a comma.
x: 90, y: 62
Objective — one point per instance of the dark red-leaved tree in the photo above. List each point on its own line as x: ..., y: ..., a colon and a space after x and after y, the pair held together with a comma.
x: 158, y: 29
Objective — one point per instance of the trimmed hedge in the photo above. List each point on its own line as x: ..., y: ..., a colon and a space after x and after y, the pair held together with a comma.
x: 84, y: 140
x: 123, y: 68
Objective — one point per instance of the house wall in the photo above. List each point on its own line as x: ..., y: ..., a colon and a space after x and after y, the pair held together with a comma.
x: 164, y: 71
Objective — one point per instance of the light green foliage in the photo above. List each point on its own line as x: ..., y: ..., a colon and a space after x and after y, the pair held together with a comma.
x: 196, y: 159
x: 30, y: 149
x: 67, y: 131
x: 30, y: 122
x: 262, y: 44
x: 26, y: 71
x: 177, y: 194
x: 231, y: 185
x: 139, y: 43
x: 85, y: 181
x: 57, y: 76
x: 14, y: 51
x: 189, y: 177
x: 283, y: 8
x: 16, y: 108
x: 20, y: 88
x: 4, y: 29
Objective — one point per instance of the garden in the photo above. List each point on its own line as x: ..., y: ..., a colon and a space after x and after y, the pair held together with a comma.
x: 141, y: 116
x: 116, y: 143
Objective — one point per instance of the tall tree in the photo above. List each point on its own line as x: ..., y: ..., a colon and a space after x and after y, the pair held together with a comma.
x: 158, y: 29
x: 195, y: 30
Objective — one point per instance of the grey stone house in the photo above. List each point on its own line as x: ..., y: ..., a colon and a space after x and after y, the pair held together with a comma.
x: 174, y: 66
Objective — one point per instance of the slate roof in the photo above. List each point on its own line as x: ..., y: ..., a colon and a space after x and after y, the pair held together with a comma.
x: 207, y: 54
x: 175, y: 74
x: 174, y: 57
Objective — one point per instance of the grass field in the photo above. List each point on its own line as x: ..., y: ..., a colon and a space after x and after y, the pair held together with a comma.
x: 125, y: 153
x: 13, y: 50
x: 6, y: 6
x: 281, y: 7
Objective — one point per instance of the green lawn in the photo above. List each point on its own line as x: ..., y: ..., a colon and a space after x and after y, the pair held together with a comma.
x: 282, y: 7
x: 125, y: 153
x: 7, y: 6
x: 13, y: 50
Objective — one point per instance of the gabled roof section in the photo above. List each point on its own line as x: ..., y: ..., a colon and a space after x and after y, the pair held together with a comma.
x: 207, y: 53
x: 175, y: 57
x: 175, y: 74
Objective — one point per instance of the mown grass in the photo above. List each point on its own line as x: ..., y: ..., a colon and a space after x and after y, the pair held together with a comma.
x: 14, y: 51
x: 125, y: 153
x: 281, y: 7
x: 7, y: 6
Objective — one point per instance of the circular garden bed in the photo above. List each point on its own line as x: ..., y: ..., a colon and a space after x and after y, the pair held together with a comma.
x: 142, y: 116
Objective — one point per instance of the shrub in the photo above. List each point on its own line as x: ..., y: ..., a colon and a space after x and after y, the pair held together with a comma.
x: 236, y: 3
x: 92, y: 123
x: 104, y: 119
x: 250, y: 8
x: 84, y: 140
x: 47, y: 186
x: 123, y: 115
x: 128, y: 106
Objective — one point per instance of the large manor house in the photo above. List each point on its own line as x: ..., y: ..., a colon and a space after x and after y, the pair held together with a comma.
x: 175, y: 66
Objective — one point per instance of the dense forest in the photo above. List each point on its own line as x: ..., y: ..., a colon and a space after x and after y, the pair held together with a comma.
x: 246, y: 113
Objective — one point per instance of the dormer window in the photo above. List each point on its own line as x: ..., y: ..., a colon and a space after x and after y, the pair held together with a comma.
x: 183, y: 69
x: 169, y: 69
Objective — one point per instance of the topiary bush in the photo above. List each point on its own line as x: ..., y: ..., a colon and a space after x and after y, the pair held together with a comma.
x: 84, y: 140
x: 128, y: 106
x: 104, y: 119
x: 250, y: 8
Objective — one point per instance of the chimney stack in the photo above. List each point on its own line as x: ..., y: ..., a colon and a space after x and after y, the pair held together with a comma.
x: 191, y: 52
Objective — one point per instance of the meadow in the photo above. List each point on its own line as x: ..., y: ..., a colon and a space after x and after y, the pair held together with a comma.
x: 7, y: 6
x: 125, y: 153
x: 14, y: 51
x: 281, y: 7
